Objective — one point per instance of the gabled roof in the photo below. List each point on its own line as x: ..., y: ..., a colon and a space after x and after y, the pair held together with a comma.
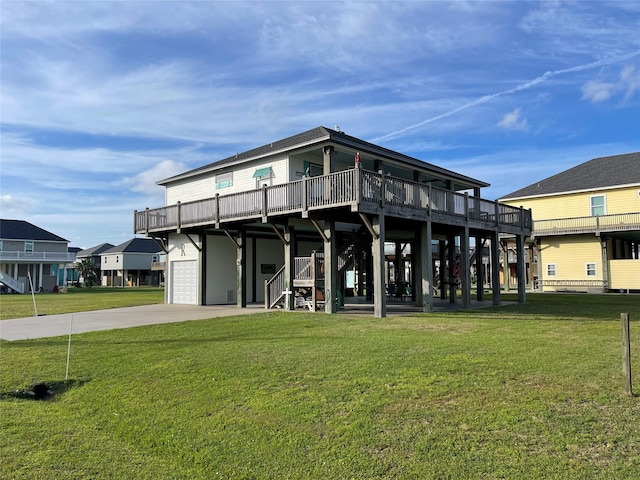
x: 602, y: 172
x: 316, y: 137
x: 23, y: 230
x: 97, y: 250
x: 135, y: 245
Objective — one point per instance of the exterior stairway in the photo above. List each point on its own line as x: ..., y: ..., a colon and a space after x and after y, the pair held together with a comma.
x: 11, y: 283
x: 305, y: 275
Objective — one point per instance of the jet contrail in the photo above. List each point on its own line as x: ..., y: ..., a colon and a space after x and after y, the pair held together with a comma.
x: 524, y: 86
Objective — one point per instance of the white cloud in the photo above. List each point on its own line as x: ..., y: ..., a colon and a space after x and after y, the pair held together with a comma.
x: 13, y: 207
x: 596, y: 91
x: 512, y: 121
x: 628, y: 83
x: 145, y: 182
x: 630, y: 80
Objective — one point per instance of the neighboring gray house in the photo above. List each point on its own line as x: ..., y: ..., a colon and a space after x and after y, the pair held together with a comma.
x: 27, y: 250
x: 95, y: 255
x: 129, y: 264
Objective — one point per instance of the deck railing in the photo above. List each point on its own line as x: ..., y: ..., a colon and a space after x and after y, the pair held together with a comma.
x: 351, y: 187
x: 576, y: 225
x: 20, y: 256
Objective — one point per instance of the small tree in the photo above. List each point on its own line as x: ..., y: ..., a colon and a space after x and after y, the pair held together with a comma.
x: 87, y: 271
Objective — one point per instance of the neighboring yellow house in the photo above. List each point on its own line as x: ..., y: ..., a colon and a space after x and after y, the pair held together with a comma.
x: 586, y: 225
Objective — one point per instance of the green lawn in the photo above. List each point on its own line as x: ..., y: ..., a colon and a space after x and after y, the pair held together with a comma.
x: 78, y: 300
x: 520, y: 392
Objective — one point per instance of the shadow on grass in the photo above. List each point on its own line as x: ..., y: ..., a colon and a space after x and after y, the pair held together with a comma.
x: 43, y: 390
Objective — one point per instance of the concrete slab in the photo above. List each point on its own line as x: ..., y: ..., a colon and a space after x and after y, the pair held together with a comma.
x: 80, y: 322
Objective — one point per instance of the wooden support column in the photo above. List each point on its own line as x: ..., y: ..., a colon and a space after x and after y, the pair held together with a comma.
x: 442, y: 248
x: 289, y: 273
x: 241, y: 262
x: 330, y: 267
x: 539, y: 263
x: 397, y: 274
x: 417, y: 252
x: 465, y: 270
x: 424, y: 265
x: 451, y: 257
x: 328, y: 160
x: 506, y: 268
x: 379, y: 294
x: 495, y: 268
x: 360, y: 262
x: 520, y: 269
x: 479, y: 269
x: 605, y: 263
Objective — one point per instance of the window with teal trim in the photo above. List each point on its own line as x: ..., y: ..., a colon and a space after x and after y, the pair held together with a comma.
x: 224, y: 180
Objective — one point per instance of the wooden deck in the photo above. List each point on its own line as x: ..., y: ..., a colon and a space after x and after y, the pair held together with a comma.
x: 359, y: 190
x: 577, y: 225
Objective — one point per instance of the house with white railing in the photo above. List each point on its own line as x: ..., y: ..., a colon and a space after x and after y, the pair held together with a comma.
x: 294, y: 215
x: 131, y: 263
x: 586, y: 225
x: 30, y: 255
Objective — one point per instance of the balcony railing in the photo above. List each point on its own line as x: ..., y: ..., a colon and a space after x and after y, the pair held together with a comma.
x: 575, y: 225
x: 51, y: 257
x: 359, y: 189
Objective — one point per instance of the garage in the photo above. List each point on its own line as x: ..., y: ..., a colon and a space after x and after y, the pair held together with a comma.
x: 184, y: 282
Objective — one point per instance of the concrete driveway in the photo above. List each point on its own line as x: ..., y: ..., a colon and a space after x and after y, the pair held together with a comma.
x: 80, y: 322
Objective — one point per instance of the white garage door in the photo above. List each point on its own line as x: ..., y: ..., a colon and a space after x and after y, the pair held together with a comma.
x: 184, y: 282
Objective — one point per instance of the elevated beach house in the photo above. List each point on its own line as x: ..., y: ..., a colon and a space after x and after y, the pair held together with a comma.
x: 31, y: 256
x: 586, y: 225
x: 295, y: 213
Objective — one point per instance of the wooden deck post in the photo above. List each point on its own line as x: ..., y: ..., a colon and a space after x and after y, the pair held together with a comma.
x: 520, y: 269
x: 479, y: 268
x: 495, y: 268
x: 241, y: 262
x: 289, y: 274
x: 605, y: 262
x: 626, y: 354
x: 442, y: 249
x: 424, y: 266
x: 330, y: 268
x: 451, y: 257
x: 379, y: 294
x: 465, y: 273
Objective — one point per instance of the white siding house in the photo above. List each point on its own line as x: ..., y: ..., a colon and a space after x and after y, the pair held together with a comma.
x: 257, y: 216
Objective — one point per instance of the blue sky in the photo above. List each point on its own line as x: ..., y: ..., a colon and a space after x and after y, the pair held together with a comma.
x: 99, y: 100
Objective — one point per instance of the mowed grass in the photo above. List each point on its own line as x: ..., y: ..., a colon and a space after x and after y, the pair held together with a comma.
x: 521, y: 391
x: 78, y: 300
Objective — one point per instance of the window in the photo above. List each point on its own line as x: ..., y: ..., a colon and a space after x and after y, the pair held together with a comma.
x: 0, y: 245
x: 313, y: 169
x: 551, y: 270
x: 592, y: 270
x: 224, y: 180
x: 597, y: 205
x: 28, y: 246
